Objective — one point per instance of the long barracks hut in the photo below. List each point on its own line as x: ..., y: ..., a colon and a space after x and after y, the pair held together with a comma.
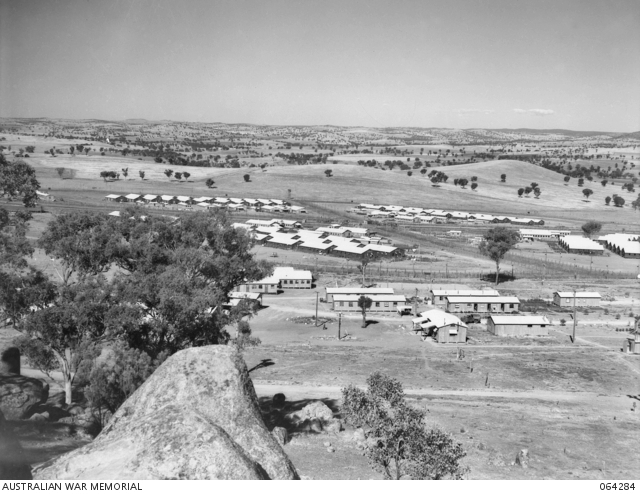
x: 439, y: 297
x: 518, y: 325
x: 481, y: 305
x: 583, y: 299
x: 380, y: 303
x: 354, y: 290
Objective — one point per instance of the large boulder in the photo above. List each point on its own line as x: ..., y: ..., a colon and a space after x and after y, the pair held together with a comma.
x: 13, y: 465
x: 196, y: 417
x: 19, y: 395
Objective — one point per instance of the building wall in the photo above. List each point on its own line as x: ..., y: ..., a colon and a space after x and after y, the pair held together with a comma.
x: 485, y: 307
x: 580, y: 302
x: 382, y: 307
x: 517, y: 329
x: 443, y: 336
x: 258, y: 288
x: 290, y: 283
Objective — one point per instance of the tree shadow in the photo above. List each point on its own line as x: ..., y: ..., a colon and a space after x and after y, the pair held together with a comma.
x: 280, y: 415
x: 267, y: 362
x: 502, y: 278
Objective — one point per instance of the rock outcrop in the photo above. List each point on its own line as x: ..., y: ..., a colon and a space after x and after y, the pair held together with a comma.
x: 196, y: 417
x: 19, y: 395
x: 13, y: 465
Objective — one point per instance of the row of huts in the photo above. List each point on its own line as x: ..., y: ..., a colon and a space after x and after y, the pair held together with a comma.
x: 283, y: 277
x: 335, y: 240
x: 424, y: 215
x: 230, y: 203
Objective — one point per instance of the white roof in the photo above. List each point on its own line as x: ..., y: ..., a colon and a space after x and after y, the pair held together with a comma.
x: 289, y: 273
x: 316, y: 244
x: 150, y: 197
x: 482, y: 300
x: 579, y: 294
x: 467, y: 293
x: 351, y: 248
x: 374, y: 298
x: 114, y: 213
x: 437, y: 318
x: 132, y: 197
x: 519, y: 319
x: 203, y: 199
x: 381, y: 248
x: 345, y: 290
x: 113, y: 196
x: 580, y: 243
x: 167, y: 198
x: 250, y: 295
x: 183, y: 198
x: 282, y: 238
x: 221, y: 200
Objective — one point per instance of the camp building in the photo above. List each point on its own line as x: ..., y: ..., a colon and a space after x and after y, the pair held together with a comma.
x: 354, y: 290
x: 443, y: 327
x: 482, y: 304
x: 439, y: 297
x: 518, y: 325
x: 379, y: 303
x: 583, y: 299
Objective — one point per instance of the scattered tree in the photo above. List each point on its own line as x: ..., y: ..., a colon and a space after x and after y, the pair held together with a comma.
x: 520, y: 191
x: 618, y: 201
x: 607, y: 200
x: 186, y: 175
x: 587, y: 192
x: 474, y: 185
x: 328, y: 173
x: 141, y: 173
x: 209, y: 182
x: 364, y: 303
x: 580, y: 182
x: 496, y: 243
x: 591, y: 227
x: 247, y: 177
x: 537, y: 192
x: 168, y: 172
x: 399, y: 444
x: 125, y: 172
x: 503, y: 177
x: 178, y: 175
x: 566, y: 179
x: 17, y: 179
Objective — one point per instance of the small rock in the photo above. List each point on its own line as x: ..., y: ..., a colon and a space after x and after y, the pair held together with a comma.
x: 462, y: 430
x: 326, y: 444
x: 39, y: 417
x: 315, y: 425
x: 481, y: 446
x: 76, y: 410
x: 331, y: 449
x: 522, y: 458
x: 333, y: 426
x: 281, y: 435
x: 358, y: 435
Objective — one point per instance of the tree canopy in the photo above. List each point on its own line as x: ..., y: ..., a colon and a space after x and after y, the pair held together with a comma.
x: 591, y: 227
x: 496, y: 243
x: 17, y: 179
x: 399, y: 443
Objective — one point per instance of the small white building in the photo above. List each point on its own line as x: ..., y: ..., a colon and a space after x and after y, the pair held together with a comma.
x: 575, y: 244
x: 583, y: 299
x: 354, y: 290
x: 443, y: 327
x: 293, y: 278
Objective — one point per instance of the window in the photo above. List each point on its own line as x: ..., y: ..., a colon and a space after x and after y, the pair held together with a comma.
x: 377, y: 304
x: 510, y: 306
x: 350, y: 304
x: 341, y: 304
x: 260, y: 287
x: 395, y: 304
x: 386, y: 304
x: 457, y: 306
x: 529, y: 325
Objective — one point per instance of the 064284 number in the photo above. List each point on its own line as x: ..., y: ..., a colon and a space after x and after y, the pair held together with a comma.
x: 617, y: 486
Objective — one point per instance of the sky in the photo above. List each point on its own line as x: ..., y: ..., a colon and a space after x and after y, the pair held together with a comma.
x: 568, y: 64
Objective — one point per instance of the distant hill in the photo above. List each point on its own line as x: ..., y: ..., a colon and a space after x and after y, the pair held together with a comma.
x: 573, y: 133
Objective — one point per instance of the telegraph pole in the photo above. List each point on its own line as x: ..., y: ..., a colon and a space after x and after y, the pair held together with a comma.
x: 573, y: 339
x: 316, y: 308
x: 339, y: 324
x: 415, y: 304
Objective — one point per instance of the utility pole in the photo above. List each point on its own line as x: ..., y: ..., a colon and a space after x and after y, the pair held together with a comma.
x: 415, y: 304
x: 339, y: 324
x: 573, y: 339
x: 316, y: 308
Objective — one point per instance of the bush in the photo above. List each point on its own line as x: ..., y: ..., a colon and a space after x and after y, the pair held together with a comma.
x: 115, y: 375
x: 563, y: 322
x: 398, y: 442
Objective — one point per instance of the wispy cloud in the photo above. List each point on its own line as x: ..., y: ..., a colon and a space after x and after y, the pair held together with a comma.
x: 470, y: 111
x: 540, y: 112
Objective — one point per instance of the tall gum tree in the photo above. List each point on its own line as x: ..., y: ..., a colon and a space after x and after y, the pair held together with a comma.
x: 496, y: 243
